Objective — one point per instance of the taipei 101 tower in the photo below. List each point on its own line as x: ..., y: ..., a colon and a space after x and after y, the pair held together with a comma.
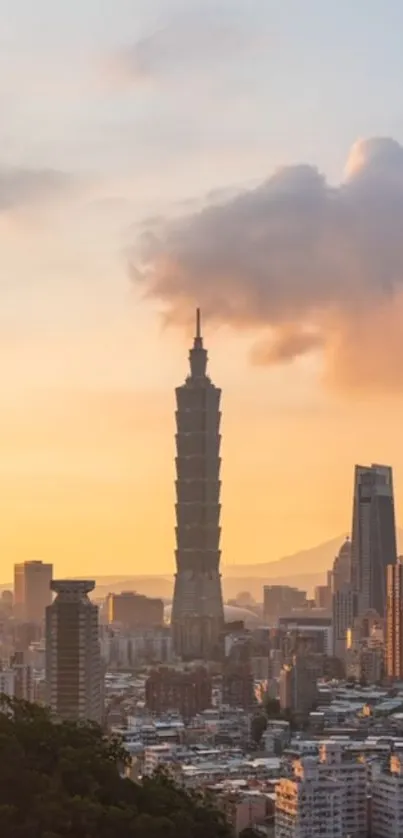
x: 197, y: 611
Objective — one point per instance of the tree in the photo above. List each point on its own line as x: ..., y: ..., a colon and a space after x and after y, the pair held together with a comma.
x: 258, y: 726
x: 272, y: 708
x: 65, y: 781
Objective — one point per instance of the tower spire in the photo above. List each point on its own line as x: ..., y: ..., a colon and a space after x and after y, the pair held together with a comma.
x: 198, y: 354
x: 198, y: 324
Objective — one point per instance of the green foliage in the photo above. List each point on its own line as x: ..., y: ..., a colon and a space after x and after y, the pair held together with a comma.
x: 272, y: 708
x: 64, y: 781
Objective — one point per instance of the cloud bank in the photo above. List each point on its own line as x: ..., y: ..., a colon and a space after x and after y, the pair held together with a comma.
x: 306, y: 266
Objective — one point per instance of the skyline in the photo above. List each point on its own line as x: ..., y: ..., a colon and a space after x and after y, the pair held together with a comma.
x: 114, y: 119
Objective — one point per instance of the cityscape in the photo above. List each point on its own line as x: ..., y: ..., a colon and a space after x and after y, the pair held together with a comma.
x: 201, y: 401
x: 288, y: 710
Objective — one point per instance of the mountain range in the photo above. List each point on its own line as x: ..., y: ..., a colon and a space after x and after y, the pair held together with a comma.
x: 304, y: 569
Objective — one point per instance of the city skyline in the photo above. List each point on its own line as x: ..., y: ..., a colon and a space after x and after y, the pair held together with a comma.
x: 114, y: 120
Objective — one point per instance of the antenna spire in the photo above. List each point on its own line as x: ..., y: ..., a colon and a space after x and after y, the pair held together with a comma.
x: 198, y: 324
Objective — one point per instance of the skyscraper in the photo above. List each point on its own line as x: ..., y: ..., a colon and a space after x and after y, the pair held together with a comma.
x: 394, y: 621
x: 32, y: 593
x: 197, y: 612
x: 373, y: 535
x: 73, y: 663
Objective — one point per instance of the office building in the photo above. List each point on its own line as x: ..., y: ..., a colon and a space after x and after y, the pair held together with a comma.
x: 133, y: 611
x: 74, y: 680
x: 373, y: 545
x: 281, y: 600
x: 188, y: 692
x: 197, y: 612
x: 394, y: 621
x: 32, y: 593
x: 311, y: 622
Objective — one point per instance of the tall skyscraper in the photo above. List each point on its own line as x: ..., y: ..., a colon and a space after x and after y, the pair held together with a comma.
x: 373, y: 535
x: 197, y: 612
x: 32, y: 593
x: 74, y: 685
x: 344, y: 600
x: 394, y: 621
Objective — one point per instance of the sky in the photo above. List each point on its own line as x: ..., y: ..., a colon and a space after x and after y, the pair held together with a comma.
x: 155, y: 155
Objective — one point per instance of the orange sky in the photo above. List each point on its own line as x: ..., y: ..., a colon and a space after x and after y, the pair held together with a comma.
x: 112, y: 118
x: 87, y: 449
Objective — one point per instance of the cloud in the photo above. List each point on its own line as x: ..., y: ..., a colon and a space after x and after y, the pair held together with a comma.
x: 22, y: 187
x: 307, y: 266
x: 196, y: 39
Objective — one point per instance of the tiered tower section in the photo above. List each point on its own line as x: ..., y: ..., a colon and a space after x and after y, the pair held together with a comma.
x: 197, y: 613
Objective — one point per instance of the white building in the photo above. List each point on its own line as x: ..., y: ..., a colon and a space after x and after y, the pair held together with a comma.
x: 387, y: 802
x: 350, y: 778
x: 308, y: 805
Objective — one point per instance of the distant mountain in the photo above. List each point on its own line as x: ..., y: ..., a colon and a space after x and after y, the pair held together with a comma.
x: 304, y: 570
x: 314, y: 560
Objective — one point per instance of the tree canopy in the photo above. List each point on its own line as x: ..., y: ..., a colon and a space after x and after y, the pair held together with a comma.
x: 65, y: 781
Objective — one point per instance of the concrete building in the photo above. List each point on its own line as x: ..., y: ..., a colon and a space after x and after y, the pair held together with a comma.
x: 74, y: 679
x: 132, y: 610
x: 340, y: 574
x: 309, y: 805
x: 387, y: 801
x: 300, y: 803
x: 32, y: 593
x: 237, y: 684
x: 310, y: 622
x: 323, y: 596
x: 298, y: 684
x: 345, y: 609
x: 394, y: 621
x: 197, y: 612
x: 373, y: 545
x: 281, y: 600
x: 188, y: 692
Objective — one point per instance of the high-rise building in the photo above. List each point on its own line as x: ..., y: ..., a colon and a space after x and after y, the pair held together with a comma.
x: 340, y: 575
x: 74, y: 682
x: 132, y: 610
x: 373, y: 535
x: 32, y: 593
x: 197, y: 612
x: 394, y: 621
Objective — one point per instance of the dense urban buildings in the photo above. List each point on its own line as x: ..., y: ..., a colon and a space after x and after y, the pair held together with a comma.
x: 394, y: 621
x: 280, y: 600
x: 186, y: 692
x: 308, y: 804
x: 132, y: 610
x: 197, y: 613
x: 32, y: 593
x: 373, y: 545
x: 74, y: 680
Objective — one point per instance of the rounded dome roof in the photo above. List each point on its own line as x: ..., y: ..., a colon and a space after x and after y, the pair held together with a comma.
x: 232, y: 613
x: 345, y: 548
